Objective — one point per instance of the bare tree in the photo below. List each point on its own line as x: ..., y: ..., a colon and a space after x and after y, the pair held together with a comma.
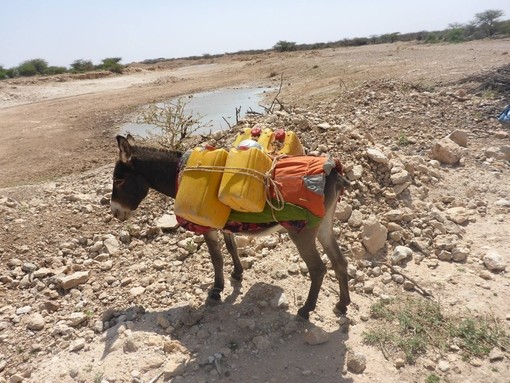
x: 487, y: 20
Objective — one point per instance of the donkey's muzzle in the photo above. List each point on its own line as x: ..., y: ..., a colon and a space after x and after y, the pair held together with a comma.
x: 119, y: 211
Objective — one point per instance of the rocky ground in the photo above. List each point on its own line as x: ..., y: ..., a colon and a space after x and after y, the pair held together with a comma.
x: 85, y: 298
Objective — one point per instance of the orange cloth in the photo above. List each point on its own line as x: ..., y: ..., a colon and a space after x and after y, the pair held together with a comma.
x: 301, y: 180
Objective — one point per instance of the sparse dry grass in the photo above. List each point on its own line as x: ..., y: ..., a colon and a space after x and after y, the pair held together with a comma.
x: 416, y: 325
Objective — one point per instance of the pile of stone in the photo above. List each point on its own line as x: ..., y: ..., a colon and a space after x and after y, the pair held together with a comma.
x: 72, y: 274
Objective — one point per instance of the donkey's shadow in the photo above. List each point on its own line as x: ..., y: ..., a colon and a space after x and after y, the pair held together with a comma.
x: 238, y: 330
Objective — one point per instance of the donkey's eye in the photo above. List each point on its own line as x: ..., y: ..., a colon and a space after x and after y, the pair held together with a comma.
x: 118, y: 182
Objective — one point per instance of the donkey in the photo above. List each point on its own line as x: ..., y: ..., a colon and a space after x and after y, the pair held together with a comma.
x: 140, y: 168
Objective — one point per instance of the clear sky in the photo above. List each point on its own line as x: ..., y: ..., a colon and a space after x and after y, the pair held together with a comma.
x: 62, y: 31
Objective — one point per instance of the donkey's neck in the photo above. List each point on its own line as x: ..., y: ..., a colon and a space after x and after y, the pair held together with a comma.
x: 160, y: 169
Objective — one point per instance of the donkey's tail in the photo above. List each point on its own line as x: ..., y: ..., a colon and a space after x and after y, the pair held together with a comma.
x: 342, y: 182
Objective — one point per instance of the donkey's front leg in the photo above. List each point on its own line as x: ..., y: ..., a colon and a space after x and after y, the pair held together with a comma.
x: 211, y: 240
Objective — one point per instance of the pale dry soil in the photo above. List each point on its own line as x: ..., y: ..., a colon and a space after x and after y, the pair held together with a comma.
x: 63, y: 132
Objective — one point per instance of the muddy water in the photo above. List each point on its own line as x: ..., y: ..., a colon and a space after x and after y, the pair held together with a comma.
x: 214, y: 109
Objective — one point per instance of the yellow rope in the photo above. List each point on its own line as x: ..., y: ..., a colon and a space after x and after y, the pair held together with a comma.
x: 270, y: 182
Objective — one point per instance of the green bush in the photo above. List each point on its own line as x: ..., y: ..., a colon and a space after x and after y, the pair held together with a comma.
x: 284, y: 46
x: 41, y: 66
x: 455, y: 35
x: 112, y: 64
x: 27, y: 69
x: 82, y: 65
x: 32, y: 67
x: 12, y: 72
x: 56, y: 70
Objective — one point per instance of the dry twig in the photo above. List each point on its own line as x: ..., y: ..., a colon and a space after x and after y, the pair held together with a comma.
x: 424, y: 292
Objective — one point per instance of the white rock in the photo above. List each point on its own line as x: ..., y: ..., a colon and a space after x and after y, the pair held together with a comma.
x: 43, y: 272
x: 280, y: 301
x: 175, y: 366
x: 502, y: 202
x: 167, y: 222
x: 23, y: 310
x: 496, y: 355
x: 316, y: 335
x: 343, y: 211
x: 111, y: 244
x: 401, y: 253
x: 460, y: 254
x: 400, y: 177
x: 446, y: 242
x: 355, y: 173
x: 73, y: 280
x: 446, y: 151
x: 77, y: 344
x: 398, y: 189
x: 394, y: 215
x: 324, y: 126
x: 136, y: 291
x: 494, y: 261
x: 459, y: 214
x: 356, y: 362
x: 35, y: 322
x: 75, y: 319
x: 443, y: 366
x: 356, y: 219
x: 374, y: 235
x: 188, y: 244
x: 243, y: 241
x: 377, y: 156
x: 460, y: 137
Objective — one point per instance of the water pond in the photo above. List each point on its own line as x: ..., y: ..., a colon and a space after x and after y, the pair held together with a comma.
x: 213, y: 108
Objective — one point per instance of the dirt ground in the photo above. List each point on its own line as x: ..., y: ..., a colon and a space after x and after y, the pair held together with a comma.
x: 56, y: 157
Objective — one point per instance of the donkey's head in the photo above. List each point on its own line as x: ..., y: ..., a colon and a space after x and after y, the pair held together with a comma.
x: 129, y: 186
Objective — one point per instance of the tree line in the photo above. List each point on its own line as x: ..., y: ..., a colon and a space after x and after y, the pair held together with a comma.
x: 485, y: 25
x: 36, y: 67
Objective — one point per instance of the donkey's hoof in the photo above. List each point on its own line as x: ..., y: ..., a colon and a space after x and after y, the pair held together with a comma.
x: 237, y: 276
x: 214, y: 295
x: 303, y: 314
x: 340, y: 309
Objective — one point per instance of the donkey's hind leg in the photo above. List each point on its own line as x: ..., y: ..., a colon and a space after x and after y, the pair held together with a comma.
x: 211, y: 240
x: 305, y: 243
x: 230, y: 242
x: 327, y: 239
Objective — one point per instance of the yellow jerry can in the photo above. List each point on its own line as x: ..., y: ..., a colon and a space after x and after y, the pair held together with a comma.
x: 292, y: 146
x: 197, y: 196
x: 245, y: 135
x: 242, y: 186
x: 266, y: 139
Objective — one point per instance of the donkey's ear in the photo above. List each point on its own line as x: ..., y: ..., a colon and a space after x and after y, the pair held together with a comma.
x: 125, y: 149
x: 130, y: 139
